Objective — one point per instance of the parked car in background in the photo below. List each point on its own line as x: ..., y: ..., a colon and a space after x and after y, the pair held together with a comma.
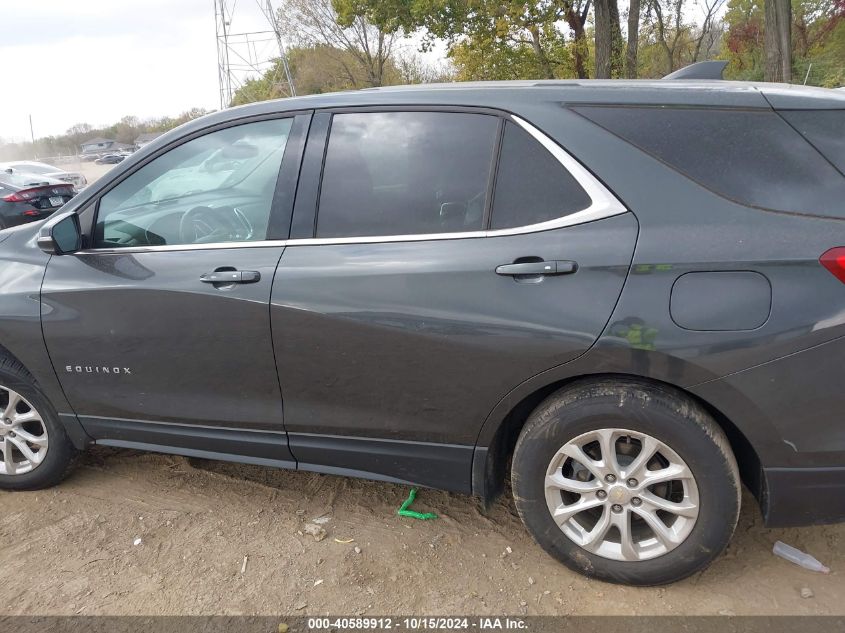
x: 110, y: 159
x: 26, y: 197
x: 43, y: 169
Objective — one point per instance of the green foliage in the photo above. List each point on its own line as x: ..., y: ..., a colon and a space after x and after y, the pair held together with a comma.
x: 818, y: 38
x: 488, y: 57
x: 743, y: 45
x: 488, y: 39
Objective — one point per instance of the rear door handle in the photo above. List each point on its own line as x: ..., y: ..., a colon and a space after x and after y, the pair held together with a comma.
x: 231, y: 277
x: 553, y: 267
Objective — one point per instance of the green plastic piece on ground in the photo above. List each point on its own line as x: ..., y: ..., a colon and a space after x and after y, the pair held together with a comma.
x: 404, y: 512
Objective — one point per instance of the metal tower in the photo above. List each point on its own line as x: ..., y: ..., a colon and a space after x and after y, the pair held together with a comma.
x: 247, y: 49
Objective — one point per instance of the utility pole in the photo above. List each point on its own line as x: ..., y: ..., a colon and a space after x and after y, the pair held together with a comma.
x: 32, y: 136
x: 242, y: 56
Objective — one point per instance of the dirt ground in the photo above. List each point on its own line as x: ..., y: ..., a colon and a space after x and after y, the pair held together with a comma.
x: 71, y: 550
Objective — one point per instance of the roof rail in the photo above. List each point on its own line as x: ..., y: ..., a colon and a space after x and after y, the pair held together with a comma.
x: 700, y: 70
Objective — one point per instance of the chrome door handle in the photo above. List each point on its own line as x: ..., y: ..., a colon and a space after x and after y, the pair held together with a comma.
x: 231, y: 277
x: 553, y: 267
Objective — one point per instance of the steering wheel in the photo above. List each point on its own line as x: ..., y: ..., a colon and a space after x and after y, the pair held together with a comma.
x: 202, y: 225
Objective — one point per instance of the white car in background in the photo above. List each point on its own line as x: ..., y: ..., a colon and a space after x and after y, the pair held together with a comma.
x: 43, y: 169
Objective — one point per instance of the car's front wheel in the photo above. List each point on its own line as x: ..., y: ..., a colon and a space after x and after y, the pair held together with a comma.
x: 626, y: 481
x: 35, y: 451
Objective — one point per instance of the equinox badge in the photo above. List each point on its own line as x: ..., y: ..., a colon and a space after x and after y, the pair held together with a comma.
x: 96, y: 369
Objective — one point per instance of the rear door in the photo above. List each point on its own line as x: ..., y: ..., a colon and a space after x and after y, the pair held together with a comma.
x: 446, y: 257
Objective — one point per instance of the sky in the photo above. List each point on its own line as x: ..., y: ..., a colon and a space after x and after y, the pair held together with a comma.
x: 95, y: 61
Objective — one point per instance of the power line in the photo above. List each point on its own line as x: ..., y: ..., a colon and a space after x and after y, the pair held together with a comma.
x: 247, y: 55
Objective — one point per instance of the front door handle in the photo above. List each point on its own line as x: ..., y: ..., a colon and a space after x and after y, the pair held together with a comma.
x: 231, y: 277
x: 554, y: 267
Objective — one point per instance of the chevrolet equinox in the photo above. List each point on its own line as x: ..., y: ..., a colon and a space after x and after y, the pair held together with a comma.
x: 627, y: 299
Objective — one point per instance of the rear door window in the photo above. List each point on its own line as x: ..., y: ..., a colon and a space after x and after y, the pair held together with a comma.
x: 531, y: 184
x: 406, y: 173
x: 753, y: 157
x: 825, y: 129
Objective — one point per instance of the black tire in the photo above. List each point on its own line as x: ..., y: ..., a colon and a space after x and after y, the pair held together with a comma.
x: 61, y: 455
x: 660, y: 412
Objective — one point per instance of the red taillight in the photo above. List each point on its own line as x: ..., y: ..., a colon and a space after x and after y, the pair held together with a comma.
x: 834, y: 261
x: 32, y: 213
x: 36, y: 192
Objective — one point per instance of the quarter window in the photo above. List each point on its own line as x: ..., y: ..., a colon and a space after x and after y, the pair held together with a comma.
x: 402, y: 173
x: 215, y: 188
x: 531, y: 185
x: 750, y: 156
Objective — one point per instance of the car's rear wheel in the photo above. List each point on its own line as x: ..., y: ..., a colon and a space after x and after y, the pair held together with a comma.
x: 626, y: 481
x: 35, y: 451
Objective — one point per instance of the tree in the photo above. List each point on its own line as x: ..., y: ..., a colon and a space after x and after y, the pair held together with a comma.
x: 666, y: 21
x: 576, y: 17
x: 631, y: 69
x: 77, y: 133
x: 317, y: 69
x: 358, y: 47
x: 778, y: 40
x: 818, y: 41
x: 527, y: 31
x: 67, y: 144
x: 608, y: 40
x: 743, y: 44
x: 709, y: 30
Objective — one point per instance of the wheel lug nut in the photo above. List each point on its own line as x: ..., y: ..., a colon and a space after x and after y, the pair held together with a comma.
x: 632, y: 482
x: 601, y: 494
x: 610, y: 478
x: 636, y: 501
x: 616, y: 507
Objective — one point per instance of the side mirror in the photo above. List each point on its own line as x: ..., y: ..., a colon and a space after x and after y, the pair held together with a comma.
x: 61, y: 235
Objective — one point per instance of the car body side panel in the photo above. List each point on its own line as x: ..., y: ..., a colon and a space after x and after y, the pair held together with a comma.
x: 799, y: 397
x: 21, y: 272
x: 417, y: 341
x: 686, y: 228
x: 137, y: 336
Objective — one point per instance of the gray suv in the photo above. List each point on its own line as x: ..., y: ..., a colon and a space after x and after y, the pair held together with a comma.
x: 627, y: 299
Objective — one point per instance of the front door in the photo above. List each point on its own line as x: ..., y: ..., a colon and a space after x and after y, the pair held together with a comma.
x: 430, y: 290
x: 160, y: 329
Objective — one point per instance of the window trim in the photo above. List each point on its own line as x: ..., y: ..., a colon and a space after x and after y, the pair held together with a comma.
x: 603, y: 205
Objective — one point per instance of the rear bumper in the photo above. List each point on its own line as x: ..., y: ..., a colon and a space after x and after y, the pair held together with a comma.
x: 803, y: 496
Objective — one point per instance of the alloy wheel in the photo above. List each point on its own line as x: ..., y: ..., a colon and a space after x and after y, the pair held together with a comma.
x: 621, y: 494
x: 23, y: 434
